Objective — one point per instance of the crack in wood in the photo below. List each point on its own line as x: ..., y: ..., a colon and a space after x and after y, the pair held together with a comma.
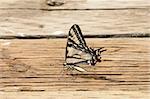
x: 76, y: 9
x: 127, y: 35
x: 96, y: 77
x: 31, y: 90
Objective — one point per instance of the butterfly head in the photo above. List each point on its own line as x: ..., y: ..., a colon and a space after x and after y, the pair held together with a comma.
x: 96, y: 56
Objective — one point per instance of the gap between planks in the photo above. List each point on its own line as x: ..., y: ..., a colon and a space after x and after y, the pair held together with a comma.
x: 118, y: 35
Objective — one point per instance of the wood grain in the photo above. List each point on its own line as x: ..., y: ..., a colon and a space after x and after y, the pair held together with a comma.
x: 31, y: 17
x: 32, y: 68
x: 31, y: 22
x: 36, y: 65
x: 76, y: 4
x: 76, y: 95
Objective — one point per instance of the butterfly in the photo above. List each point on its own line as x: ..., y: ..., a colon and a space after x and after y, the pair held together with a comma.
x: 77, y: 51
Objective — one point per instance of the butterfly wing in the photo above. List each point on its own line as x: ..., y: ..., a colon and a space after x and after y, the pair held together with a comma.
x: 76, y: 50
x: 75, y: 36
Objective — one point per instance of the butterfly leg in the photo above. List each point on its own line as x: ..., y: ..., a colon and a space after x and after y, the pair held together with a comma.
x: 64, y: 71
x: 69, y: 71
x: 72, y: 69
x: 102, y: 50
x: 66, y: 68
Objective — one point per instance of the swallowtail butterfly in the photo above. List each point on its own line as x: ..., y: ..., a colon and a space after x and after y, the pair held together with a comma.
x: 78, y: 52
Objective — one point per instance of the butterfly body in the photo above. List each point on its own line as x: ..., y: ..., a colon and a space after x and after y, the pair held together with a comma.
x: 78, y: 52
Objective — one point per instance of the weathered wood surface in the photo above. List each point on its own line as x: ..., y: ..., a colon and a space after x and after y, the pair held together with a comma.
x: 76, y: 95
x: 36, y: 65
x: 36, y: 22
x: 16, y: 22
x: 76, y: 4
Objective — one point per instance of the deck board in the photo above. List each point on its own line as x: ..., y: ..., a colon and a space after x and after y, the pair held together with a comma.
x: 124, y: 66
x: 77, y: 94
x: 31, y: 22
x: 75, y: 4
x: 33, y: 17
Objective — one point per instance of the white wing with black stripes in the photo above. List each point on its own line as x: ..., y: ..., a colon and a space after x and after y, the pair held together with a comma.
x: 77, y: 50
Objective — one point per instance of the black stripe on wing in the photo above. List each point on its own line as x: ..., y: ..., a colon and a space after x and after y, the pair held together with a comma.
x: 73, y: 44
x: 75, y: 34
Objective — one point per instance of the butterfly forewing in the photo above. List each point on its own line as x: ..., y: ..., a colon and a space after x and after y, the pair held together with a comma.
x: 76, y: 49
x: 75, y: 35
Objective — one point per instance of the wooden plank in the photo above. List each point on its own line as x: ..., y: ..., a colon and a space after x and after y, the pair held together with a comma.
x: 36, y: 65
x: 37, y: 22
x: 75, y: 4
x: 76, y: 95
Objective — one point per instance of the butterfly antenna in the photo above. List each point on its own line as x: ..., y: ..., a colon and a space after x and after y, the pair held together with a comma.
x: 103, y: 50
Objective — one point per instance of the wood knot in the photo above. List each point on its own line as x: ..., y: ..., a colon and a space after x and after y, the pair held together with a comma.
x: 54, y: 2
x: 18, y: 66
x: 15, y: 64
